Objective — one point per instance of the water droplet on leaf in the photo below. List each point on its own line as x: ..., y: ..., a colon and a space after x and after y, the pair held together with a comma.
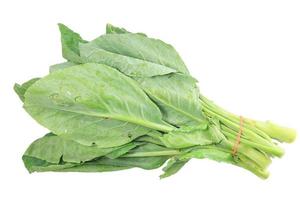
x: 54, y: 96
x: 58, y: 100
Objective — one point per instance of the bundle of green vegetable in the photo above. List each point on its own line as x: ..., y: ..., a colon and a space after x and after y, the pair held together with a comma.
x: 125, y: 100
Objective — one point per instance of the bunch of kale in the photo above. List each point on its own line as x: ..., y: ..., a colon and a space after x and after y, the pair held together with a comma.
x: 125, y: 100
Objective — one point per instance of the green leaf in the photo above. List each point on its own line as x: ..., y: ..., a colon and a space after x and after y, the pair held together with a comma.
x: 150, y: 150
x: 122, y: 150
x: 51, y: 154
x: 192, y: 136
x: 210, y: 153
x: 141, y: 161
x: 110, y: 29
x: 21, y: 89
x: 130, y: 66
x: 33, y: 164
x: 54, y: 149
x: 37, y: 165
x: 149, y: 139
x: 93, y: 103
x: 93, y: 167
x: 141, y: 47
x: 70, y: 43
x: 177, y: 96
x: 172, y: 167
x: 61, y: 66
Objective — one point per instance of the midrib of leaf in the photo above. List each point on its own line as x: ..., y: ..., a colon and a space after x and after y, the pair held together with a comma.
x: 153, y: 153
x: 152, y: 125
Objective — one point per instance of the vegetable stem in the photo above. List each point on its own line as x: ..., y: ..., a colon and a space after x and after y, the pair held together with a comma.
x: 266, y: 129
x: 153, y: 153
x: 269, y: 149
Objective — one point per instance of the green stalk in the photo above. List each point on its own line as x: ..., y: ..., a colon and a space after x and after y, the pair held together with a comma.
x: 268, y: 149
x: 231, y: 117
x: 265, y: 129
x: 234, y: 125
x: 246, y: 132
x: 153, y: 153
x: 235, y: 121
x: 275, y: 131
x: 247, y: 158
x: 247, y: 164
x: 251, y: 153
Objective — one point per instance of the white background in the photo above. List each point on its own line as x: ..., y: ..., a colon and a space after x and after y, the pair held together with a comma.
x: 245, y: 54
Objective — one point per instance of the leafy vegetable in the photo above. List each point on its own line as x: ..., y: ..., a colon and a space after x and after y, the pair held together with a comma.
x: 89, y: 106
x: 53, y: 149
x: 175, y: 93
x: 70, y: 43
x: 126, y: 100
x: 21, y: 89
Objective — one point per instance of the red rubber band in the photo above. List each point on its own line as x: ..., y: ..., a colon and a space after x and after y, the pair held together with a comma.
x: 238, y: 137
